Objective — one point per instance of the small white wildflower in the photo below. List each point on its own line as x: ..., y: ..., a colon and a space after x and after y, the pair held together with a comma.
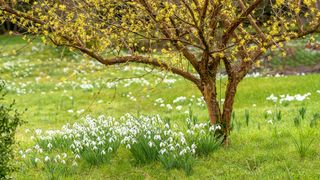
x: 28, y: 150
x: 110, y: 149
x: 128, y: 146
x: 193, y: 146
x: 49, y: 145
x: 77, y: 156
x: 74, y: 163
x: 179, y: 108
x: 182, y: 152
x: 150, y: 144
x: 157, y: 137
x: 46, y: 159
x: 103, y: 152
x: 80, y: 111
x: 111, y: 140
x: 38, y: 131
x: 162, y: 151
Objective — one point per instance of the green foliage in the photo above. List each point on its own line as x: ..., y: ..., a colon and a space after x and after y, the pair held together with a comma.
x: 142, y: 152
x: 173, y: 160
x: 303, y: 142
x: 247, y: 116
x: 297, y: 121
x: 303, y: 112
x: 10, y: 119
x: 278, y: 115
x: 314, y: 120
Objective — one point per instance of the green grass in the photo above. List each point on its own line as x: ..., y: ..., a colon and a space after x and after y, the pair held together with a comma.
x: 259, y: 151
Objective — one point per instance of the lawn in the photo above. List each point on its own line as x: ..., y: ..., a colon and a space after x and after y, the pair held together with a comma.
x: 57, y: 87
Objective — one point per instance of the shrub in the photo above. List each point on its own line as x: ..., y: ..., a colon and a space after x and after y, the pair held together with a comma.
x: 10, y: 119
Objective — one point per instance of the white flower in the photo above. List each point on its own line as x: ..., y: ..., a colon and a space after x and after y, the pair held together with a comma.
x: 157, y: 137
x: 272, y: 98
x: 86, y: 86
x: 36, y: 160
x: 179, y: 108
x: 193, y: 146
x: 182, y: 152
x: 169, y: 107
x: 103, y: 152
x: 80, y: 111
x: 150, y: 144
x: 270, y: 121
x: 162, y: 151
x: 28, y: 150
x: 111, y: 140
x: 58, y: 156
x: 128, y: 146
x: 269, y: 112
x: 74, y: 163
x: 179, y: 99
x: 110, y: 149
x: 49, y: 145
x: 214, y: 128
x: 77, y: 156
x: 318, y: 91
x: 38, y: 131
x: 63, y: 161
x: 46, y: 159
x: 167, y: 126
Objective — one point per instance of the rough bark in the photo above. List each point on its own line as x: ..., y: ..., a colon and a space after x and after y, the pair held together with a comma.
x: 210, y: 97
x: 228, y: 108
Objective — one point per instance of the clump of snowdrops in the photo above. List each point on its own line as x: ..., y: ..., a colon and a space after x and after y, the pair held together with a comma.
x: 96, y: 140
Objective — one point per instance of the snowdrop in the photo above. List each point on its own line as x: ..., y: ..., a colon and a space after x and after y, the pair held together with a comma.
x: 273, y: 98
x: 179, y: 108
x: 47, y: 158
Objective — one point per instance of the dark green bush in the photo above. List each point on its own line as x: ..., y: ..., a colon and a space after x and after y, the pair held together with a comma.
x: 10, y: 119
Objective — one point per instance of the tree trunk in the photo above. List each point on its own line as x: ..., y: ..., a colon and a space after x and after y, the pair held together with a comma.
x: 210, y: 96
x: 228, y: 108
